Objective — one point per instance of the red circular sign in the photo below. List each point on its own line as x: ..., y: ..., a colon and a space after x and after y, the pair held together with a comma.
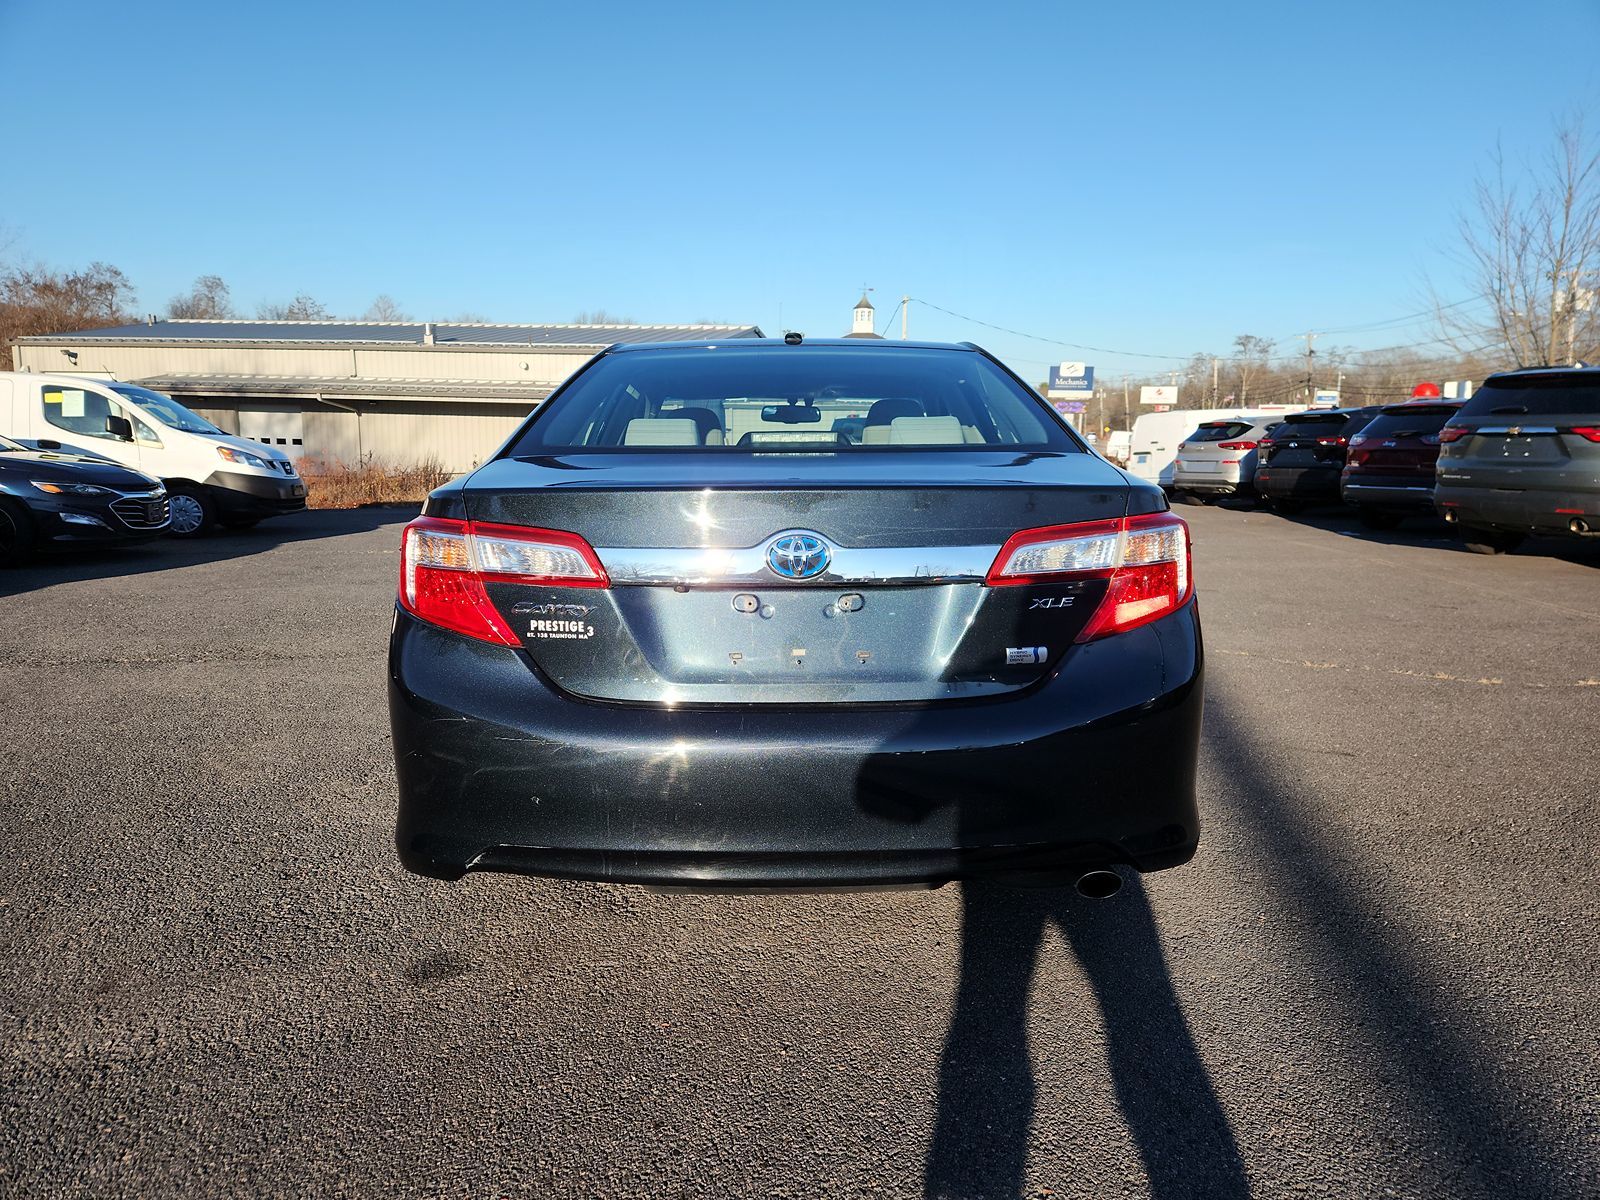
x: 1426, y: 391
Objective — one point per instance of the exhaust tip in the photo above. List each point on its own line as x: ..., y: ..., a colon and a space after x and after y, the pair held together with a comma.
x: 1578, y: 525
x: 1099, y: 885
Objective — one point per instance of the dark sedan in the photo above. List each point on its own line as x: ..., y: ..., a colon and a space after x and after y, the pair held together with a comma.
x: 50, y: 500
x: 765, y: 613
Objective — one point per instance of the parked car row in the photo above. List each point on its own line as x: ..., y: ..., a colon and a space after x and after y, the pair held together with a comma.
x: 1520, y: 458
x: 85, y: 460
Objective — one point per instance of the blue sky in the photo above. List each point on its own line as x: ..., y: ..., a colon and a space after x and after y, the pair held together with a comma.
x: 1144, y: 177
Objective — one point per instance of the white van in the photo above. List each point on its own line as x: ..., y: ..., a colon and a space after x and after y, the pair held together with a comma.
x: 213, y: 478
x: 1154, y: 444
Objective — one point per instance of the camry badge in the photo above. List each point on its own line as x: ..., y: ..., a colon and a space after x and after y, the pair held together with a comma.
x: 798, y: 554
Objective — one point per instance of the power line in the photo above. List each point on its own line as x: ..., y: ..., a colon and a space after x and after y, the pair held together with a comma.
x: 1034, y: 337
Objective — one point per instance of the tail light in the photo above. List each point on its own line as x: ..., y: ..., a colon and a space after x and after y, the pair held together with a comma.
x: 1145, y: 561
x: 1357, y: 457
x: 1238, y: 445
x: 1333, y: 441
x: 444, y: 565
x: 1589, y: 433
x: 1452, y: 433
x: 1431, y: 439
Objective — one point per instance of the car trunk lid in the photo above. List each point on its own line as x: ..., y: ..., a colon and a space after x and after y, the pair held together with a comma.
x: 698, y: 614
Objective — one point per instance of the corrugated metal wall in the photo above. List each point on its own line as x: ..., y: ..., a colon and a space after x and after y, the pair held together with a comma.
x: 457, y: 435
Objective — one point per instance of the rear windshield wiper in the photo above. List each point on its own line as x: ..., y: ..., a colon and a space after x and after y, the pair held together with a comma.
x: 1509, y: 408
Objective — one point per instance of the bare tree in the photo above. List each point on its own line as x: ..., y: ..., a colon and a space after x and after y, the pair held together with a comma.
x: 1532, y: 249
x: 301, y: 308
x: 207, y: 300
x: 468, y: 318
x: 601, y: 316
x: 37, y: 300
x: 385, y: 308
x: 1250, y: 358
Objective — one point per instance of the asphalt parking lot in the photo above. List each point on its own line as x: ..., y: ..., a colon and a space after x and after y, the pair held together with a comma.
x: 1378, y: 977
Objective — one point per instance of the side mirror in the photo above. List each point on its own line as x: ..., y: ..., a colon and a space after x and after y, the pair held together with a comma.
x: 47, y: 444
x: 120, y: 428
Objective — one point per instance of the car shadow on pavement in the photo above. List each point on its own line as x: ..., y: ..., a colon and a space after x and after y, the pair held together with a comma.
x: 168, y: 553
x: 1435, y: 533
x: 1484, y: 1139
x: 987, y: 1092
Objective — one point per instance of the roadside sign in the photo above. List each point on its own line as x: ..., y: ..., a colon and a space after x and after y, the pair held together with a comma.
x: 1069, y: 406
x: 1165, y: 394
x: 1325, y: 399
x: 1071, y: 377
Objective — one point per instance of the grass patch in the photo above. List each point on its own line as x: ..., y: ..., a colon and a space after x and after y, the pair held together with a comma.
x: 371, y: 481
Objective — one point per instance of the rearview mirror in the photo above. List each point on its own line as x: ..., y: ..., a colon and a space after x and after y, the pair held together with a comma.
x: 120, y: 428
x: 791, y: 414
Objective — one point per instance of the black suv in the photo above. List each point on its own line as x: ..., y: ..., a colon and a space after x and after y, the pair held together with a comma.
x: 1523, y: 457
x: 1300, y: 461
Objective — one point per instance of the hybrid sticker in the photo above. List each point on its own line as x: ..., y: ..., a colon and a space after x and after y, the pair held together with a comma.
x: 1018, y: 656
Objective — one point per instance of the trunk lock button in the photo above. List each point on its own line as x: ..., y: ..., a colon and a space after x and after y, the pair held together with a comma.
x: 850, y: 602
x: 744, y: 602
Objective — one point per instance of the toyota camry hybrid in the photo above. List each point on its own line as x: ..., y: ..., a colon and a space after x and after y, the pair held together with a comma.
x: 795, y: 613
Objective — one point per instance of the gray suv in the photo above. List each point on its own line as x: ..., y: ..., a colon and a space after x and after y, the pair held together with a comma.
x: 1523, y: 457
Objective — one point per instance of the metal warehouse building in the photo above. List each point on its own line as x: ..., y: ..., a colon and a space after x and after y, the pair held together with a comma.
x: 351, y: 391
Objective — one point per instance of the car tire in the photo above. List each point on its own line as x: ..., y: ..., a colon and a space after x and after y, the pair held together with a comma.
x: 1490, y: 541
x: 193, y: 514
x: 17, y: 535
x: 1373, y: 519
x: 1189, y: 498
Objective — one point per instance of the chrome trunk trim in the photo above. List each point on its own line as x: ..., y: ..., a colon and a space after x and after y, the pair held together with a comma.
x: 748, y: 565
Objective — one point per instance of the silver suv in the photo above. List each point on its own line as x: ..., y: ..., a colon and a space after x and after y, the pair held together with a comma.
x: 1523, y: 457
x: 1219, y: 458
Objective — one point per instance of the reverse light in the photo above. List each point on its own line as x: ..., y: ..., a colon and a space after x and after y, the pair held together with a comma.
x: 1145, y: 561
x: 1452, y: 433
x: 444, y: 565
x: 1333, y: 441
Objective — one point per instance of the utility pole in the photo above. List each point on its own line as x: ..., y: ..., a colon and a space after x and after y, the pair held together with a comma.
x: 905, y: 311
x: 1213, y: 381
x: 1310, y: 359
x: 1127, y: 415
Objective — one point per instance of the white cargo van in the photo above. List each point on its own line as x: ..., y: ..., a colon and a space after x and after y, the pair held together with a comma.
x: 1154, y: 444
x: 212, y: 477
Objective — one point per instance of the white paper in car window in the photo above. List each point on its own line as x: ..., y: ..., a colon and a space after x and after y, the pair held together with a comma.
x: 72, y: 404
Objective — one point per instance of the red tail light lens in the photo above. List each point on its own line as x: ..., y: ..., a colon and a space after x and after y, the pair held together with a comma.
x: 1589, y: 433
x: 444, y: 565
x: 1337, y: 441
x: 1452, y: 433
x: 1357, y: 457
x: 1145, y: 561
x: 1238, y: 445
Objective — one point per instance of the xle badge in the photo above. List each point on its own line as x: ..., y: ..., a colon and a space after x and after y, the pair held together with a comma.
x: 1017, y: 656
x: 1052, y: 602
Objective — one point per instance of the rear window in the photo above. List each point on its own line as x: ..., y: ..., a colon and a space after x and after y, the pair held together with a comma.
x: 1220, y: 431
x: 734, y: 399
x: 1410, y: 420
x: 1535, y: 396
x: 1321, y: 425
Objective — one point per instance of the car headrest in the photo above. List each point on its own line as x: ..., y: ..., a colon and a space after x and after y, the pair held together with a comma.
x: 661, y: 431
x: 883, y: 412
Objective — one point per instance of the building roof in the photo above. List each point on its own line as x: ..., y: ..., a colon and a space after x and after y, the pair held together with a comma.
x: 187, y: 384
x: 390, y: 333
x: 864, y: 302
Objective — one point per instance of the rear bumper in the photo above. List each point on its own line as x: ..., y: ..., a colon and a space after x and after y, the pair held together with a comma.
x: 1298, y: 483
x: 1392, y: 493
x: 499, y: 771
x: 1527, y: 511
x: 1227, y: 481
x: 239, y: 495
